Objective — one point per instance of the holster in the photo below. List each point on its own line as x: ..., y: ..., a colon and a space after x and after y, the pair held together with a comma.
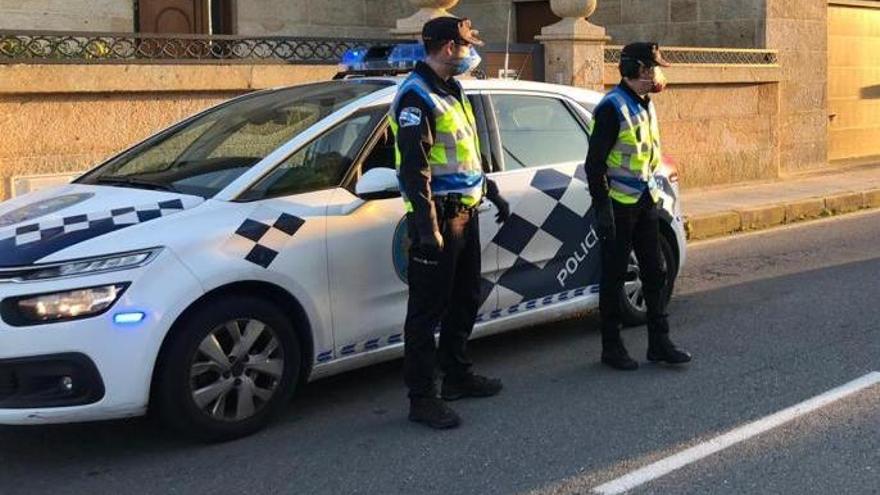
x: 449, y: 205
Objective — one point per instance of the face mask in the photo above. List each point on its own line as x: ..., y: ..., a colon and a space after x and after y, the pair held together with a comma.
x: 656, y: 84
x: 466, y: 64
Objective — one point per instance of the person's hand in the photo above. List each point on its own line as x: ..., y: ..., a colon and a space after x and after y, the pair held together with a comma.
x: 605, y: 221
x: 503, y: 208
x: 493, y: 195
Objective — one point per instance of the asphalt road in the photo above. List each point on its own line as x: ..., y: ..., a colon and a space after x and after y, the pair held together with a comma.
x: 773, y: 319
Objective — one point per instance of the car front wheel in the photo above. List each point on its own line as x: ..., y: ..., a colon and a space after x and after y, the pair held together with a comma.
x: 229, y: 367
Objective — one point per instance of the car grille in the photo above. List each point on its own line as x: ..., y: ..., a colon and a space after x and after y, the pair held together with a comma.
x: 8, y: 384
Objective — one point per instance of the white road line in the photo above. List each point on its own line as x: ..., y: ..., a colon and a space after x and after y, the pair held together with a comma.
x: 737, y: 435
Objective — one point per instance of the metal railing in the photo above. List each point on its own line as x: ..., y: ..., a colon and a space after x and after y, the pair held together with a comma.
x: 78, y: 47
x: 697, y: 56
x: 81, y: 47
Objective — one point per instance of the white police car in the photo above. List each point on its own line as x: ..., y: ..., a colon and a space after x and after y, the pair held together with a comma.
x: 209, y: 270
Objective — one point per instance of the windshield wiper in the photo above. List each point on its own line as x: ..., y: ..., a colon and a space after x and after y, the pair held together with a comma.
x: 120, y: 180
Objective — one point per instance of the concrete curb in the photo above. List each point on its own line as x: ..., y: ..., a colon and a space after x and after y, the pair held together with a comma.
x: 707, y: 226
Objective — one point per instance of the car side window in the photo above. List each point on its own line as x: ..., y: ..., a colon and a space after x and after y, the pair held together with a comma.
x: 382, y: 154
x: 537, y: 131
x: 321, y: 164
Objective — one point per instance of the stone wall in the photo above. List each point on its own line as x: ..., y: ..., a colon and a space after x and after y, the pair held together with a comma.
x: 67, y: 15
x: 489, y: 16
x: 58, y: 119
x: 721, y: 134
x: 719, y: 125
x: 720, y: 23
x: 321, y: 18
x: 798, y: 29
x: 709, y: 23
x: 357, y: 18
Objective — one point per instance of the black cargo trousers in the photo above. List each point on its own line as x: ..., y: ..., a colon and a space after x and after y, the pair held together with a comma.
x: 444, y: 290
x: 637, y: 230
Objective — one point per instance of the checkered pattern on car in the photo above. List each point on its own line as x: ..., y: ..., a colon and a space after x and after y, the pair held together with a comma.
x: 537, y: 303
x: 554, y: 219
x: 361, y: 347
x: 103, y: 221
x: 260, y: 238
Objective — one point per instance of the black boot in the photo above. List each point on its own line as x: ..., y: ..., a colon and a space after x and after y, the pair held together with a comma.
x: 469, y: 385
x: 614, y: 354
x: 661, y: 349
x: 433, y: 412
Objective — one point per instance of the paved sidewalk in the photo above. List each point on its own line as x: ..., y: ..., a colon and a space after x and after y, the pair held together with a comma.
x: 720, y: 211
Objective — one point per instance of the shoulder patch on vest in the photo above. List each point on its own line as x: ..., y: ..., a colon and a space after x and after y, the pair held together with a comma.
x: 410, y: 116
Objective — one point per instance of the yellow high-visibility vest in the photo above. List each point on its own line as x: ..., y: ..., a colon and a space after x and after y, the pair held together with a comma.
x: 456, y: 166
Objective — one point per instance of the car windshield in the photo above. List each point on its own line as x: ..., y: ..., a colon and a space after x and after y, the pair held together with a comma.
x: 206, y: 153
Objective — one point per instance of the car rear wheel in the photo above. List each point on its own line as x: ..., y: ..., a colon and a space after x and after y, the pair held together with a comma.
x: 634, y: 310
x: 230, y: 366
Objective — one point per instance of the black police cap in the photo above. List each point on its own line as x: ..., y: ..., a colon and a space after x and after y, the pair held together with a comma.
x: 450, y: 28
x: 647, y: 53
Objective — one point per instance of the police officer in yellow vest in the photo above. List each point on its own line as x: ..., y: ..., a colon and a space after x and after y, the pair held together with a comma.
x: 442, y: 181
x: 624, y: 153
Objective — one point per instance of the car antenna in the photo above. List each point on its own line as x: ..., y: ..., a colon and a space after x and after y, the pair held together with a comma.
x: 507, y: 44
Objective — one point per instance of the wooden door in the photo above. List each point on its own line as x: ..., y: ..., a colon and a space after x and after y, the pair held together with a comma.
x: 173, y: 16
x: 531, y: 17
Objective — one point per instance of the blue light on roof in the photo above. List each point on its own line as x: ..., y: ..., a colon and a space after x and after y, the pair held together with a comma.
x: 353, y: 59
x: 383, y: 57
x: 405, y: 55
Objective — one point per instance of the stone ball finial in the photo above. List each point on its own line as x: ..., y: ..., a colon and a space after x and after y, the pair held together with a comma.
x: 434, y: 4
x: 411, y: 27
x: 573, y: 8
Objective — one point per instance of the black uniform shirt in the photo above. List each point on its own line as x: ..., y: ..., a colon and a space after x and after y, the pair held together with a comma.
x: 606, y: 128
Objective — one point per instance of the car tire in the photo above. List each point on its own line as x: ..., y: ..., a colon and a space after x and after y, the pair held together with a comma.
x: 255, y: 382
x: 633, y: 310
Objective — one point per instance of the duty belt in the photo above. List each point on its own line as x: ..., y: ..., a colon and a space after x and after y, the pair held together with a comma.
x: 450, y: 204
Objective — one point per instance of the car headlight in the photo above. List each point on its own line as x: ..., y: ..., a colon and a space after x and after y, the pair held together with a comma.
x: 60, y: 306
x: 73, y: 268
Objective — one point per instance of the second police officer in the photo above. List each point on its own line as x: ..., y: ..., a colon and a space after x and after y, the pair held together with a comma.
x: 623, y: 156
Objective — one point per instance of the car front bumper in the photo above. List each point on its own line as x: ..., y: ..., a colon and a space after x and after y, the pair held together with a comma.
x: 93, y: 368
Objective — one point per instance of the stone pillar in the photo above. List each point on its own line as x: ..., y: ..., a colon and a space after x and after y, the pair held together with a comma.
x: 798, y: 29
x: 411, y: 27
x: 574, y: 48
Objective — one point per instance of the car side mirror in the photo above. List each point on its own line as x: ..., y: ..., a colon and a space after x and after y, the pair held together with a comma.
x: 378, y: 183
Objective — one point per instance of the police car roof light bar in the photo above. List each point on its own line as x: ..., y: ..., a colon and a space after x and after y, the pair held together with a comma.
x: 381, y: 60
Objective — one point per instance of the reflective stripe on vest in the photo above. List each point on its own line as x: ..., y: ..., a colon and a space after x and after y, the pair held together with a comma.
x: 456, y: 166
x: 636, y: 153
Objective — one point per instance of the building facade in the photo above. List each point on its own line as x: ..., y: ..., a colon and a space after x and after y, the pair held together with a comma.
x: 713, y: 23
x: 821, y: 105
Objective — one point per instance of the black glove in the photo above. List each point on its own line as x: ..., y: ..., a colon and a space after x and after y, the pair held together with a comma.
x: 605, y: 220
x: 493, y: 195
x: 503, y: 208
